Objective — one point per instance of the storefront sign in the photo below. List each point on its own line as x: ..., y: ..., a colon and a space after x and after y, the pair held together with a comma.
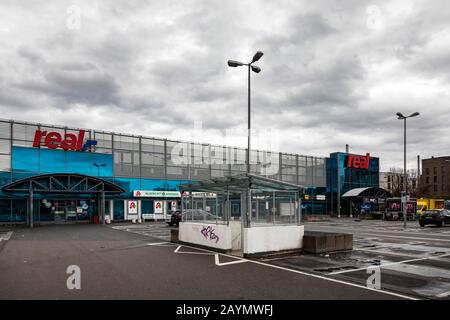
x: 170, y: 194
x: 203, y: 195
x: 54, y: 140
x: 358, y: 162
x: 132, y: 207
x: 156, y: 194
x: 158, y: 207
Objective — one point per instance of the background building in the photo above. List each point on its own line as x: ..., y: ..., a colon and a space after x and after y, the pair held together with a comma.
x: 140, y: 166
x: 346, y: 172
x: 393, y: 181
x: 435, y: 178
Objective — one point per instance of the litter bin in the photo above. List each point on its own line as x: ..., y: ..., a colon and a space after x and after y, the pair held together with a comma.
x: 95, y: 219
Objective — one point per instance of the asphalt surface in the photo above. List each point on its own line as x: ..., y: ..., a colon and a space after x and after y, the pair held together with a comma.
x: 413, y: 261
x: 121, y: 264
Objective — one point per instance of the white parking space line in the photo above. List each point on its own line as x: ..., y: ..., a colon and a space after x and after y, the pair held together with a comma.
x: 390, y: 264
x: 216, y: 257
x: 200, y: 253
x: 388, y: 252
x: 312, y: 275
x: 401, y: 237
x: 6, y: 236
x: 161, y: 244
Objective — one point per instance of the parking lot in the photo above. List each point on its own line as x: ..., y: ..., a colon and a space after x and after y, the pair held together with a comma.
x: 117, y: 262
x: 123, y: 261
x: 413, y: 261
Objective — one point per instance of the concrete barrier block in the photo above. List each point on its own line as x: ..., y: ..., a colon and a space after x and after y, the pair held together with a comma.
x: 348, y: 241
x: 174, y: 235
x: 340, y: 242
x: 330, y: 242
x: 321, y: 242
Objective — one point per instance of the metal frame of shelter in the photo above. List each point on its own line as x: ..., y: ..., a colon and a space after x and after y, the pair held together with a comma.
x: 62, y: 183
x: 240, y: 184
x: 369, y: 192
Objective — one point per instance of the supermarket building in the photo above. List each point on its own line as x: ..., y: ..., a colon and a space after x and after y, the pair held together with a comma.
x: 63, y: 174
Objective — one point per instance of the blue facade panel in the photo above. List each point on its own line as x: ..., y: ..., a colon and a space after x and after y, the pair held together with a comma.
x: 33, y: 161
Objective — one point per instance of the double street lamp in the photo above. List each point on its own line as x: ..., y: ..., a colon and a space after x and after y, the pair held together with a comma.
x: 405, y: 178
x: 256, y: 69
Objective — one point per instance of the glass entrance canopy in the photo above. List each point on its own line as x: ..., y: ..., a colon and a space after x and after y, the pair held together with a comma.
x: 273, y: 201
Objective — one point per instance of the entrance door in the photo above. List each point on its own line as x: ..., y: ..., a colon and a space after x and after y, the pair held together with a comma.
x: 60, y: 211
x: 71, y: 210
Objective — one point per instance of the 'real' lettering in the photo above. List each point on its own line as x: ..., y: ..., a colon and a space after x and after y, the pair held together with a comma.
x: 70, y: 142
x: 54, y: 140
x: 38, y: 135
x: 80, y: 139
x: 358, y: 162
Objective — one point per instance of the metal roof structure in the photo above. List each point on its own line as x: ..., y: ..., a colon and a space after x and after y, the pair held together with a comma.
x: 62, y: 183
x: 240, y: 183
x: 373, y: 192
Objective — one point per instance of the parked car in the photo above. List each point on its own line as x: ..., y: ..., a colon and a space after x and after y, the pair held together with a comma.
x: 175, y: 218
x: 438, y: 217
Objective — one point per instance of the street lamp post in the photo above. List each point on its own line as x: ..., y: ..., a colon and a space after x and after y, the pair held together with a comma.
x: 256, y: 69
x: 405, y: 178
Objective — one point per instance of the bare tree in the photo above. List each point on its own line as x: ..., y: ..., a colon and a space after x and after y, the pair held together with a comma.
x: 396, y: 181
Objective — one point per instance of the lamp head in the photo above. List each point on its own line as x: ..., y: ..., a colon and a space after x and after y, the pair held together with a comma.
x: 256, y: 69
x: 400, y: 115
x: 234, y: 63
x: 257, y: 56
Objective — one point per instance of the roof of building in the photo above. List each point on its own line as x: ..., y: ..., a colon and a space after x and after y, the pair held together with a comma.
x: 375, y: 192
x: 240, y: 183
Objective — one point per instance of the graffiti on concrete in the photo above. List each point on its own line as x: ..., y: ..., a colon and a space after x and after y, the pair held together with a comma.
x: 208, y: 233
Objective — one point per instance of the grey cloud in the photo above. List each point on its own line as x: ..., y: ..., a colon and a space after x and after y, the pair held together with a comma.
x: 162, y: 65
x: 76, y: 87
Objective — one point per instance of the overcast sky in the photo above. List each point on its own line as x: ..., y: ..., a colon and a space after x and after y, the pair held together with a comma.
x: 333, y: 72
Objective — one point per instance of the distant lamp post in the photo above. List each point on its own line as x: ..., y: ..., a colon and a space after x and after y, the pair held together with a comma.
x: 405, y: 181
x: 256, y: 69
x: 98, y: 167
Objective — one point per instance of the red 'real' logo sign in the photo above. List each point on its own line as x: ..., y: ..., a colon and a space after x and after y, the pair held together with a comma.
x: 358, y: 162
x: 54, y: 140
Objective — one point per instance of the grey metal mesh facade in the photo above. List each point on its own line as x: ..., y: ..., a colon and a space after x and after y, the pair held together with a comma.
x: 151, y: 158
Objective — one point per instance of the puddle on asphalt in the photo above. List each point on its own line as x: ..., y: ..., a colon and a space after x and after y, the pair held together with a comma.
x: 409, y: 249
x: 424, y: 271
x: 433, y: 289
